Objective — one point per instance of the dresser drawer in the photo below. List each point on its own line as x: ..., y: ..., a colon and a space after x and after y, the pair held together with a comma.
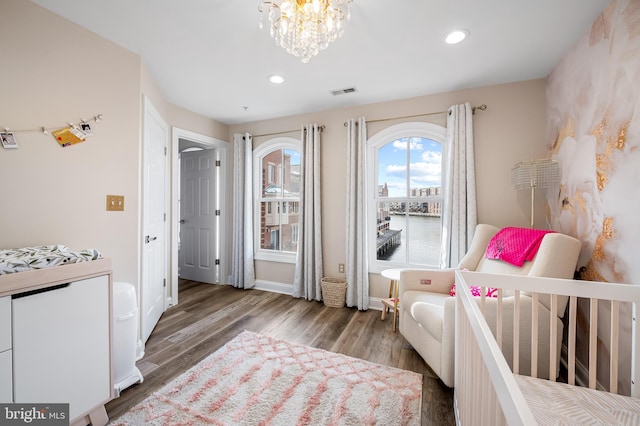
x: 5, y: 323
x: 6, y: 377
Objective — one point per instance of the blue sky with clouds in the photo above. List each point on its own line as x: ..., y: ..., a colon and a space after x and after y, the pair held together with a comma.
x: 295, y: 156
x: 425, y: 165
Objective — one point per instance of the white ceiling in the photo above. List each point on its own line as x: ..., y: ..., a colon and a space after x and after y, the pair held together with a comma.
x: 210, y: 57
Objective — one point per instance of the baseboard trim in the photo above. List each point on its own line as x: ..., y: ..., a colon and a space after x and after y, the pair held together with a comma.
x: 139, y: 349
x: 375, y: 303
x: 274, y: 287
x: 582, y: 372
x: 456, y: 411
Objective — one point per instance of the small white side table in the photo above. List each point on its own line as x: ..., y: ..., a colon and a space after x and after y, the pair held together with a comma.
x: 392, y: 301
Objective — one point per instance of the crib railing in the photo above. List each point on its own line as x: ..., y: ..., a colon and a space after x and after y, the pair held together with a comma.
x: 486, y: 391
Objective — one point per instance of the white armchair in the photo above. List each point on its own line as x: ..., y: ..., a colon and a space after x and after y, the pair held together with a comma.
x: 427, y: 311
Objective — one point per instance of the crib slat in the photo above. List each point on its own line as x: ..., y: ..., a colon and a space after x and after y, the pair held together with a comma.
x: 573, y: 309
x: 635, y: 351
x: 499, y: 320
x: 553, y: 344
x: 593, y: 342
x: 479, y: 398
x: 534, y: 335
x: 516, y: 333
x: 613, y: 364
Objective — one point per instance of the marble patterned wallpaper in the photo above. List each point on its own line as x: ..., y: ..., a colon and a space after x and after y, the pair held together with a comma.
x: 593, y: 109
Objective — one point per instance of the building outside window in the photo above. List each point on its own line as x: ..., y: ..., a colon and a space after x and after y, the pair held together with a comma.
x: 405, y: 171
x: 277, y: 164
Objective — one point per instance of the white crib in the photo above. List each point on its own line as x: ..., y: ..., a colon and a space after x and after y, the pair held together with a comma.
x: 488, y: 392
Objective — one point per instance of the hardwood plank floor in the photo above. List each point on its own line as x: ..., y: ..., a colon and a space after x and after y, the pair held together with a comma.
x: 208, y: 316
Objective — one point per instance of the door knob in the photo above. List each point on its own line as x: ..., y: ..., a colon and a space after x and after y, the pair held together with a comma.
x: 148, y: 239
x: 181, y: 221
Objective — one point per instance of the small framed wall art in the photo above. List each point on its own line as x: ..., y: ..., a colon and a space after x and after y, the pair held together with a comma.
x: 86, y: 129
x: 8, y: 140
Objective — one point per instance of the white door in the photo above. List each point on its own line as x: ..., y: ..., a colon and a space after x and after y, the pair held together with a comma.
x: 154, y: 253
x: 198, y: 254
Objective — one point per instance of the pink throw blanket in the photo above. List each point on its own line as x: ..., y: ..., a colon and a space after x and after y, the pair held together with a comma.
x: 515, y: 245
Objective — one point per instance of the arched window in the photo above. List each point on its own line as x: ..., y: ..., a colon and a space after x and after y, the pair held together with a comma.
x: 405, y: 174
x: 277, y: 165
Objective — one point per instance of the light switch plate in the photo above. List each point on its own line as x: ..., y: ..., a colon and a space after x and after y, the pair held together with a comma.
x: 115, y: 202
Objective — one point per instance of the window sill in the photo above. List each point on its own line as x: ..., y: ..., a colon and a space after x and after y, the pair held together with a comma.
x: 275, y: 257
x: 378, y: 267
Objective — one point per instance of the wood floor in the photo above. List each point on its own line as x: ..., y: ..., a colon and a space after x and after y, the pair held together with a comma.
x: 207, y: 316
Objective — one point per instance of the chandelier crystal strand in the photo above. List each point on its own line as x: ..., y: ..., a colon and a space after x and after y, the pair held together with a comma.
x: 305, y: 27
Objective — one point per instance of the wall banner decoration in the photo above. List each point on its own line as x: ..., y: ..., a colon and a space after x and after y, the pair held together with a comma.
x: 69, y: 136
x: 8, y: 140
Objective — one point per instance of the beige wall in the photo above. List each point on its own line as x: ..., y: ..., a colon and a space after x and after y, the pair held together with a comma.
x: 58, y: 72
x: 512, y: 129
x: 180, y: 117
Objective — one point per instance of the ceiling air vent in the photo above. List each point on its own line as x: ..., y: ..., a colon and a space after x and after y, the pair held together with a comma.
x: 343, y: 91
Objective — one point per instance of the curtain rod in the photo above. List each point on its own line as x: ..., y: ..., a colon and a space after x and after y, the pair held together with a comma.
x: 473, y: 111
x: 321, y: 127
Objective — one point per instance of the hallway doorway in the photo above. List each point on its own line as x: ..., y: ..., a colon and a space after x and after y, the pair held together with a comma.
x: 199, y: 209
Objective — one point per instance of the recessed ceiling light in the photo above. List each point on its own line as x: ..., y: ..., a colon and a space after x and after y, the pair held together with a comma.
x: 456, y: 36
x: 276, y: 79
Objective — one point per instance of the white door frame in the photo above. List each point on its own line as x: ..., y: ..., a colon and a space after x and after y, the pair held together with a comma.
x: 177, y: 134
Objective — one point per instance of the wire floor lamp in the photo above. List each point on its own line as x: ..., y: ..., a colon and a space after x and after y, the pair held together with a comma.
x: 535, y: 174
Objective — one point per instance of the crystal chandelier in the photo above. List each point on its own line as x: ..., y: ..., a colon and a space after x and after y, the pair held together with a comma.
x: 305, y: 27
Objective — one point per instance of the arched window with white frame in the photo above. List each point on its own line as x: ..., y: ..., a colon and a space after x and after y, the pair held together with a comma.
x: 405, y: 167
x: 277, y: 167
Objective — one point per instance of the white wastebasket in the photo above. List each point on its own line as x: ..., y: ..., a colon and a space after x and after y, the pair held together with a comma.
x: 125, y: 336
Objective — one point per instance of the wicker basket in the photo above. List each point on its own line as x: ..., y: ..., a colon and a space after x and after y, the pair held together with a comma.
x: 334, y: 291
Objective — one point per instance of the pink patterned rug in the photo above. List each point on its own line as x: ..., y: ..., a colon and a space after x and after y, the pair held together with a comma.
x: 259, y: 380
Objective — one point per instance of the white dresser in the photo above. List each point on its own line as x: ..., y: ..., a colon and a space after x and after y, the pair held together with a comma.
x: 6, y: 375
x: 55, y: 338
